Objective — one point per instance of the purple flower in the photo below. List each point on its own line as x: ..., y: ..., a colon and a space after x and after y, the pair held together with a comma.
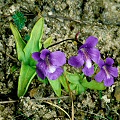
x: 107, y: 72
x: 49, y: 63
x: 86, y: 54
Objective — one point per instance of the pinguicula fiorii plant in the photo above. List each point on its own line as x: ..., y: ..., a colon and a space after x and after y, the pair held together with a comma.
x: 86, y: 54
x: 37, y: 59
x: 107, y: 72
x: 49, y: 63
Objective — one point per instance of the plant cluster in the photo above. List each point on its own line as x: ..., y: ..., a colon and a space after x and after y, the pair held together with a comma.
x: 37, y: 59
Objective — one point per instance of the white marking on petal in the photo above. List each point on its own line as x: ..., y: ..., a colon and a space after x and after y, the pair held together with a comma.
x: 51, y: 69
x: 107, y: 73
x: 88, y: 63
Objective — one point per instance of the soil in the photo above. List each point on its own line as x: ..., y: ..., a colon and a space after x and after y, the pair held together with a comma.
x: 63, y: 19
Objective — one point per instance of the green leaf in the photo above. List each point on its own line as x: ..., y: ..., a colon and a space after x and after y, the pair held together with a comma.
x: 27, y: 37
x: 20, y: 44
x: 13, y: 68
x: 75, y: 82
x: 56, y: 86
x: 43, y: 81
x: 19, y: 19
x: 47, y: 42
x: 73, y: 78
x: 63, y: 81
x: 100, y: 94
x: 34, y: 43
x: 95, y: 68
x: 78, y: 88
x: 27, y: 73
x: 72, y: 86
x: 94, y: 85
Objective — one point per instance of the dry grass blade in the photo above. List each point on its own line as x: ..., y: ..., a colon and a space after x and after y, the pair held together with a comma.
x: 3, y: 52
x: 57, y: 107
x: 53, y: 98
x: 72, y: 110
x: 4, y: 102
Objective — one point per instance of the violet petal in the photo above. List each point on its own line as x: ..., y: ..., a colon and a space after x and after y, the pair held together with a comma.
x: 42, y: 64
x: 108, y: 82
x: 88, y: 63
x: 113, y: 71
x: 41, y: 67
x: 44, y: 54
x: 36, y: 56
x: 57, y: 58
x: 91, y: 42
x: 101, y: 63
x: 109, y: 61
x: 94, y: 54
x: 100, y: 76
x: 51, y: 68
x: 76, y: 61
x: 56, y: 74
x: 88, y: 71
x: 40, y: 74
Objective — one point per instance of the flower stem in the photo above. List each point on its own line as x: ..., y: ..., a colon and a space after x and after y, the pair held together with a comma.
x: 71, y: 95
x: 72, y: 39
x: 59, y: 42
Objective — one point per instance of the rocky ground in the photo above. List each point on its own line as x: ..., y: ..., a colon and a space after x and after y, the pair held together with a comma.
x: 63, y: 19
